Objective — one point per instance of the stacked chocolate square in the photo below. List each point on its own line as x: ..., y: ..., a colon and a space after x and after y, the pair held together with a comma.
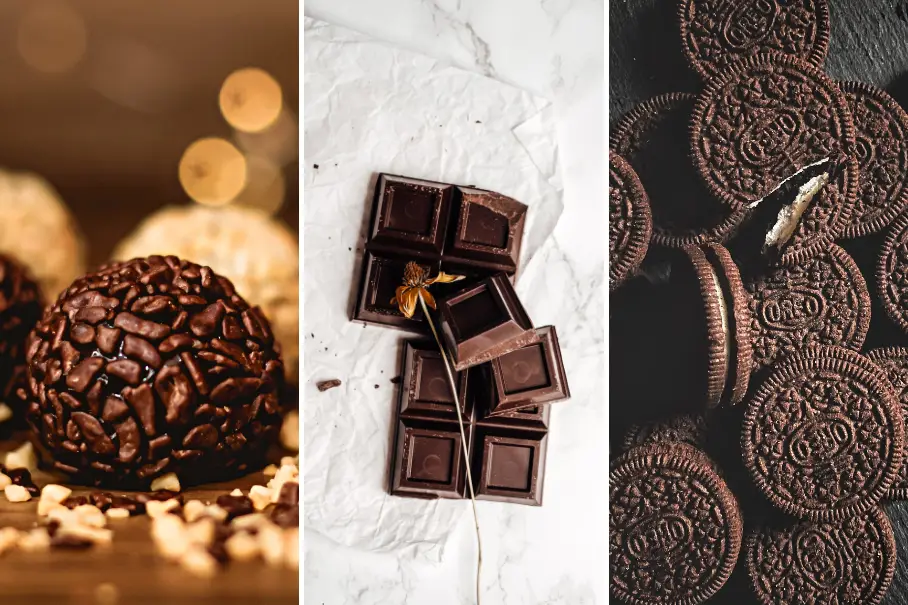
x: 757, y: 389
x: 506, y: 370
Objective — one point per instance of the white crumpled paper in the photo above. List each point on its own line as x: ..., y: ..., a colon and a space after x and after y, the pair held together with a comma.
x: 369, y: 108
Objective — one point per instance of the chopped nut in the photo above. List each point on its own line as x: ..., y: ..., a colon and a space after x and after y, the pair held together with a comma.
x: 169, y: 482
x: 290, y: 431
x: 53, y: 492
x: 90, y: 515
x: 22, y: 457
x: 117, y: 513
x: 199, y: 562
x: 62, y: 515
x: 170, y: 537
x: 5, y: 480
x: 76, y: 531
x: 260, y: 496
x: 16, y: 493
x: 242, y: 546
x: 6, y: 412
x: 270, y: 470
x: 34, y: 540
x: 9, y: 536
x: 201, y: 533
x: 287, y: 472
x: 158, y: 508
x: 247, y: 522
x: 236, y: 492
x: 46, y: 506
x: 271, y: 543
x: 289, y: 461
x: 292, y: 548
x: 193, y: 510
x: 216, y: 512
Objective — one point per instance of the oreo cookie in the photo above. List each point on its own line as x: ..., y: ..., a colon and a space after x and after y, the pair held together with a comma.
x: 727, y: 332
x: 669, y: 510
x: 851, y: 562
x: 652, y: 137
x: 894, y: 361
x: 823, y: 436
x: 679, y: 428
x: 761, y: 120
x: 715, y: 33
x: 881, y: 127
x: 630, y: 223
x: 821, y: 300
x: 892, y: 273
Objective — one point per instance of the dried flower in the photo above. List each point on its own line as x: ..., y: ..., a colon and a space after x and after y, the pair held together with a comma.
x: 416, y: 283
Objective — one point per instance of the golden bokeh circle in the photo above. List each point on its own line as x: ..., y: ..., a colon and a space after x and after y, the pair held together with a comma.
x: 250, y: 99
x: 52, y: 37
x: 212, y: 171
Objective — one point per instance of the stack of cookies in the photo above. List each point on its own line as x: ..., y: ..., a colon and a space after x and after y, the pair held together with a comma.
x: 758, y: 413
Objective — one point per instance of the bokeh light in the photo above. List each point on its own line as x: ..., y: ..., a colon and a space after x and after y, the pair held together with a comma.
x: 250, y: 100
x: 52, y: 36
x: 266, y: 186
x: 279, y: 142
x: 212, y: 171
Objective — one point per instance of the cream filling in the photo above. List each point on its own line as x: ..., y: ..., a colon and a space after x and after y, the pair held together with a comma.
x: 723, y: 314
x: 789, y: 216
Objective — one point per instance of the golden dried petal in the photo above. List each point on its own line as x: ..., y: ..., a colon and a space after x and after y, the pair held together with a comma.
x: 444, y: 278
x: 413, y: 274
x: 430, y: 300
x: 410, y: 298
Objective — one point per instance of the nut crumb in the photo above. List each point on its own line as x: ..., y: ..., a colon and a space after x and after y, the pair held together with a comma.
x: 16, y: 493
x: 270, y: 470
x: 9, y: 537
x: 242, y: 546
x: 169, y: 482
x: 290, y: 431
x: 22, y: 457
x: 117, y: 513
x: 35, y: 540
x: 4, y: 481
x: 260, y: 496
x: 199, y: 562
x: 53, y: 492
x: 156, y: 508
x: 236, y: 492
x: 6, y: 412
x: 325, y: 385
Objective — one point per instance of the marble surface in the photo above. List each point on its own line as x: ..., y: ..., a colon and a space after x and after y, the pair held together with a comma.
x: 556, y: 553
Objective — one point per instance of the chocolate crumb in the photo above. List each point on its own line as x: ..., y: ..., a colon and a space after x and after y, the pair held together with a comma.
x: 315, y: 166
x: 395, y: 380
x: 328, y: 384
x: 376, y: 386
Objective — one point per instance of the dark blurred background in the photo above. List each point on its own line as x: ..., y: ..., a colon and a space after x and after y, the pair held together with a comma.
x: 103, y: 97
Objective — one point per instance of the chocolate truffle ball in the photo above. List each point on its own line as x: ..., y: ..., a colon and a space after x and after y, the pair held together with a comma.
x: 38, y: 229
x: 20, y: 310
x: 259, y: 254
x: 152, y: 366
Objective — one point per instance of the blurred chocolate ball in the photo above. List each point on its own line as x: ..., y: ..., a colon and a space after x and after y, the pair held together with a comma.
x: 20, y: 310
x: 38, y: 229
x: 258, y: 253
x: 153, y: 366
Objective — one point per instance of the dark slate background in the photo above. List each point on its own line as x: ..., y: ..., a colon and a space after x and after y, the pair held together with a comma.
x: 869, y: 43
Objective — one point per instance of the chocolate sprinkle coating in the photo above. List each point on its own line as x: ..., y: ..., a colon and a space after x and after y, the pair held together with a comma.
x: 851, y: 562
x: 20, y: 310
x: 894, y: 361
x: 630, y: 223
x: 881, y: 127
x: 762, y: 119
x: 717, y: 32
x: 823, y: 436
x: 181, y: 375
x: 652, y: 138
x: 822, y: 300
x: 669, y: 510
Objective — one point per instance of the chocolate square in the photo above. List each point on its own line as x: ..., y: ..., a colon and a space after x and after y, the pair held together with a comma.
x: 509, y: 468
x: 529, y: 377
x: 486, y: 227
x: 410, y: 213
x: 484, y: 321
x: 382, y: 274
x: 428, y: 460
x: 425, y: 389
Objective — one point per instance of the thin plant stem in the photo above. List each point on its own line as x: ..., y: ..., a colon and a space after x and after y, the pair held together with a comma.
x: 463, y: 440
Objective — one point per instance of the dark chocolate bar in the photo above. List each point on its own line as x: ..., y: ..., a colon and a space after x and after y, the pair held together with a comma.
x: 462, y: 230
x: 484, y: 321
x: 528, y: 377
x: 507, y: 451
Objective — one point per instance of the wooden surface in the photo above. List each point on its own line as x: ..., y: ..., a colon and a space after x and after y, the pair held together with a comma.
x: 141, y: 576
x: 869, y: 43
